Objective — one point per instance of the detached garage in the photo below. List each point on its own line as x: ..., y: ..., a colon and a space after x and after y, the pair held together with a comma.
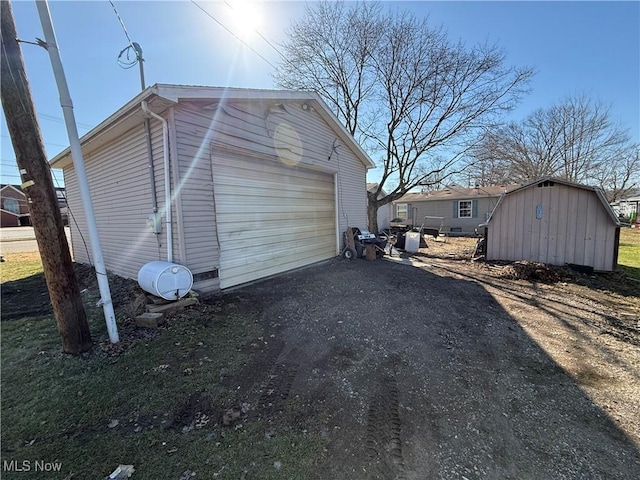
x: 234, y: 184
x: 556, y: 222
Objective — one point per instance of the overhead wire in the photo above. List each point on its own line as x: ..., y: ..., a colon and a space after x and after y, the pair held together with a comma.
x: 267, y: 41
x: 232, y: 33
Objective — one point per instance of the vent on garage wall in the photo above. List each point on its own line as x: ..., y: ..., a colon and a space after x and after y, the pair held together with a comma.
x: 546, y: 183
x: 198, y: 277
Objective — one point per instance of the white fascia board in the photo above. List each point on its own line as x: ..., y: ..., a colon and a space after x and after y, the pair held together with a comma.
x: 122, y: 113
x: 175, y: 93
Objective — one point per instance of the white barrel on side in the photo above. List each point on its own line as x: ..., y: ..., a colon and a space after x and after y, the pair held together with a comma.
x: 165, y: 279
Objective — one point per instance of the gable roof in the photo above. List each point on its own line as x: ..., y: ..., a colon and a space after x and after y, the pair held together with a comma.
x: 17, y: 188
x: 457, y: 193
x: 561, y: 181
x: 372, y: 186
x: 159, y: 97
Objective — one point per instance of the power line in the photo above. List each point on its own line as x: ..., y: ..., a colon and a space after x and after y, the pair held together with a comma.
x: 54, y: 118
x: 124, y: 29
x: 260, y: 34
x: 46, y: 143
x: 231, y: 32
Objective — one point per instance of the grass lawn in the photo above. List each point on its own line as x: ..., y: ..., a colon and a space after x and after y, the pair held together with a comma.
x: 20, y: 265
x: 629, y: 253
x: 158, y: 406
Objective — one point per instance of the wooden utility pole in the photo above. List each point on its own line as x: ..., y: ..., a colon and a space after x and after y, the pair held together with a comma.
x: 37, y: 184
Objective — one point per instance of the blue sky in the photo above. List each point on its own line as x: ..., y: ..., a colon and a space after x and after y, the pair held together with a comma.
x: 590, y: 48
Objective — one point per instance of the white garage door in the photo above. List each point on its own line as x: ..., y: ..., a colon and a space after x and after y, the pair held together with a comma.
x: 271, y: 217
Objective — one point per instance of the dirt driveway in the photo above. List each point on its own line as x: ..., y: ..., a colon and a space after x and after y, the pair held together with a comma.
x: 447, y: 369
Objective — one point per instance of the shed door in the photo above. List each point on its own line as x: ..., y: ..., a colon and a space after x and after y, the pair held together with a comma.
x: 270, y: 217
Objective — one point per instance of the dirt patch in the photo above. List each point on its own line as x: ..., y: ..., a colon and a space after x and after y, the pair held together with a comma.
x: 452, y: 368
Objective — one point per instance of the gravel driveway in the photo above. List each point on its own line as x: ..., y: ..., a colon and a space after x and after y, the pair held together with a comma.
x: 441, y: 371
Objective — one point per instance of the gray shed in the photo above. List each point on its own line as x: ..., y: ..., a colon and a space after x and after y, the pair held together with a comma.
x: 259, y: 182
x: 556, y: 222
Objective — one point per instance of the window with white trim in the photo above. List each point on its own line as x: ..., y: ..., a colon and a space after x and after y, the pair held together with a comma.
x: 402, y: 210
x: 464, y: 209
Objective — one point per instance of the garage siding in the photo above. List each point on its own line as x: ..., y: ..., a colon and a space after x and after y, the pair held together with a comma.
x: 274, y: 206
x: 121, y: 195
x: 278, y: 161
x: 196, y: 202
x: 249, y: 128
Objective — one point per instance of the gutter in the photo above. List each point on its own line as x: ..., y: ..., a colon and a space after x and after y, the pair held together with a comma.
x: 167, y: 179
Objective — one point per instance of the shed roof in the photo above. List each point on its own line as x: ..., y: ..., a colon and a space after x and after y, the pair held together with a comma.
x: 562, y: 181
x: 457, y: 193
x: 159, y: 97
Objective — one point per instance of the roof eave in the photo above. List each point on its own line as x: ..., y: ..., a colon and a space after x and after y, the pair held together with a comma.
x: 175, y: 93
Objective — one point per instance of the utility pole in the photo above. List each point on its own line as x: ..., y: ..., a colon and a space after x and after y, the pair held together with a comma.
x: 28, y: 146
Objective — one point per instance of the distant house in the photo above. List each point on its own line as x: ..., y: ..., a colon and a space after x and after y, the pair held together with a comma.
x: 456, y: 209
x: 14, y: 207
x: 62, y: 204
x: 236, y: 185
x: 385, y: 212
x: 628, y: 209
x: 556, y: 222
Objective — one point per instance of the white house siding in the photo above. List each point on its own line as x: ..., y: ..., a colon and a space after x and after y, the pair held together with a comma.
x: 575, y: 228
x: 272, y: 164
x: 121, y: 194
x: 384, y: 216
x: 195, y: 191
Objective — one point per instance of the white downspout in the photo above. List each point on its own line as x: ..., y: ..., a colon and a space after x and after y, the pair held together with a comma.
x: 167, y: 179
x: 81, y: 173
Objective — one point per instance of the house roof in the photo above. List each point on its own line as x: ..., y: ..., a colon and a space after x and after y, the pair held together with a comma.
x: 17, y: 188
x: 159, y: 97
x: 372, y: 186
x: 457, y: 193
x: 596, y: 190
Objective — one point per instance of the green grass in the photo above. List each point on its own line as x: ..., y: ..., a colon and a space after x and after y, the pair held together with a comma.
x: 20, y: 265
x: 58, y: 408
x: 629, y: 252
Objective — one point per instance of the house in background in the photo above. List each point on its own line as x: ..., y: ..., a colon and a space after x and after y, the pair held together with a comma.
x: 14, y: 207
x: 385, y: 212
x: 240, y: 184
x: 556, y: 222
x: 61, y: 195
x: 457, y: 210
x: 628, y: 209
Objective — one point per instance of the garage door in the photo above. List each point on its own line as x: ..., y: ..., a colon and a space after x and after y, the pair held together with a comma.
x: 271, y: 217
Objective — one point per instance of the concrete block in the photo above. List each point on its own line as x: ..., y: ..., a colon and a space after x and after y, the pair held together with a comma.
x: 150, y: 320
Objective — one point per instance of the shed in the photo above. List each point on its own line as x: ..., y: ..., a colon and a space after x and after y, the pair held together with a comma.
x: 556, y: 222
x: 261, y: 182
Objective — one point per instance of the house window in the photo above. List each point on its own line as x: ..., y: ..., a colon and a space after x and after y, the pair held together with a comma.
x: 11, y: 205
x: 464, y: 209
x: 402, y: 210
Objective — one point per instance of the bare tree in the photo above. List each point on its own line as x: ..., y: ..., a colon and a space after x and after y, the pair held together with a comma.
x: 574, y: 139
x: 401, y: 87
x: 620, y: 176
